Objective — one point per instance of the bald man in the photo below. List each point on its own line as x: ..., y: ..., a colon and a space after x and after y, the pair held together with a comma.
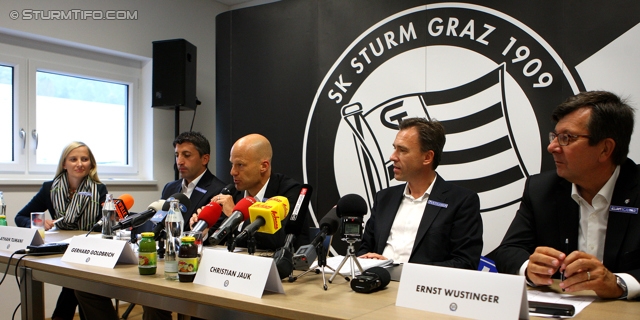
x: 251, y: 171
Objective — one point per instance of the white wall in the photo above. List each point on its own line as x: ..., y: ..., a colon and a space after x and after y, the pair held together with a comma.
x: 193, y: 20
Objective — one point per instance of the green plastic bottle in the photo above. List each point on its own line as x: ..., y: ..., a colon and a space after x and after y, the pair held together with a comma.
x: 3, y: 210
x: 147, y: 254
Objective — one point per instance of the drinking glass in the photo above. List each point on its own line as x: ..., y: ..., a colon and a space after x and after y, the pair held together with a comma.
x: 37, y: 222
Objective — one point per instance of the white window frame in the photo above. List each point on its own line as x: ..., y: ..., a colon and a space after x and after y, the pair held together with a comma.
x: 91, y: 73
x: 66, y: 60
x: 19, y: 102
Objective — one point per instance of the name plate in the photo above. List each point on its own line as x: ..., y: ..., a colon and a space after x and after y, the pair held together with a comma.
x: 239, y: 273
x: 99, y: 252
x: 462, y: 293
x: 14, y: 238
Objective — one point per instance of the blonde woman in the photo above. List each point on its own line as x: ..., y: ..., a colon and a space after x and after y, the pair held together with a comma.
x: 74, y: 197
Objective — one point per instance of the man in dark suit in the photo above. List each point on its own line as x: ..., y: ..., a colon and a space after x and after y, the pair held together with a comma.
x: 251, y: 171
x: 427, y: 220
x: 192, y: 152
x: 581, y: 219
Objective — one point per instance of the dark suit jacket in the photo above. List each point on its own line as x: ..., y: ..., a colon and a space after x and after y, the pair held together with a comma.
x: 548, y: 215
x: 208, y: 186
x: 279, y: 185
x: 449, y: 237
x: 42, y: 201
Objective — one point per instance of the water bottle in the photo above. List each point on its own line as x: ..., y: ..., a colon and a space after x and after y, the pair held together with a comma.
x: 173, y: 228
x: 109, y: 217
x: 3, y: 206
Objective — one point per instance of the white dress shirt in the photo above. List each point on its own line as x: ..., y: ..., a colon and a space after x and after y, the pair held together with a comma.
x: 405, y: 226
x: 259, y: 197
x: 593, y: 228
x: 187, y: 189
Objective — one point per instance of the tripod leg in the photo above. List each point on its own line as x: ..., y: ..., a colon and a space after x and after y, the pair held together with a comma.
x: 292, y: 278
x: 353, y: 269
x: 338, y: 270
x: 352, y: 256
x: 358, y: 264
x: 324, y: 280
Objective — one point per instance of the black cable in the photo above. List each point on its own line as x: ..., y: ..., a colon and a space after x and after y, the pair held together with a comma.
x: 9, y: 263
x: 193, y: 119
x: 16, y: 270
x: 15, y: 310
x: 22, y: 251
x: 194, y: 114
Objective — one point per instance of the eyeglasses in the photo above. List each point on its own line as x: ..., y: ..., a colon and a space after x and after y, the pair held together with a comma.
x: 564, y: 138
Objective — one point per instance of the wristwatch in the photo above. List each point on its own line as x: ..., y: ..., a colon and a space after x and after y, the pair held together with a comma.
x: 623, y: 286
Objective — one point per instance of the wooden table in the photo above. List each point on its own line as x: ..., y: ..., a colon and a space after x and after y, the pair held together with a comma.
x: 304, y: 299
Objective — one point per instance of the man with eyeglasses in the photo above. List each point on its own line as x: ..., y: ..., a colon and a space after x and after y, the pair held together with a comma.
x: 580, y: 223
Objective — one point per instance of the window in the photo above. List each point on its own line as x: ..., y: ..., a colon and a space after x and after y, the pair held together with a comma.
x: 6, y: 113
x: 97, y: 109
x: 50, y: 98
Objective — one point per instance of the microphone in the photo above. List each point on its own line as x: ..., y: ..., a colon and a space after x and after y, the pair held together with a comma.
x: 351, y: 209
x: 123, y: 204
x: 229, y: 189
x: 328, y: 226
x: 300, y: 212
x: 208, y: 216
x: 183, y: 200
x: 351, y: 205
x: 372, y: 279
x: 239, y: 215
x: 266, y: 216
x: 184, y: 205
x: 137, y: 219
x: 304, y: 257
x: 283, y: 257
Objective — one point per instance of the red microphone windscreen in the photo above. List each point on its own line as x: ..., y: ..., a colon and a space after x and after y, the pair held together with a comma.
x: 127, y: 199
x: 243, y: 206
x: 210, y: 213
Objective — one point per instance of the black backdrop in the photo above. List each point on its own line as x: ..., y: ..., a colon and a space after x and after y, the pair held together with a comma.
x: 271, y: 60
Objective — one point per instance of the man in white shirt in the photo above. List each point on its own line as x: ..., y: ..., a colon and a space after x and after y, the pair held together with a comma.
x: 427, y: 220
x: 581, y: 223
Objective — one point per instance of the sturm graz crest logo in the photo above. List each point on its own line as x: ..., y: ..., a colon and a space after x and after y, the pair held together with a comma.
x: 491, y: 80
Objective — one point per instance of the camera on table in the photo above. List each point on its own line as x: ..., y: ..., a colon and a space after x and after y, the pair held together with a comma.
x: 352, y: 228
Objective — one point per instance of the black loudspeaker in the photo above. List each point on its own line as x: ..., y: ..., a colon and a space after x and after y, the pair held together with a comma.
x: 174, y: 74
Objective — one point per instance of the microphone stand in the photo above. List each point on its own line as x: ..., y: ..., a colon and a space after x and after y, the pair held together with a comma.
x: 352, y: 256
x: 251, y: 243
x: 231, y: 242
x: 161, y: 239
x: 322, y: 263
